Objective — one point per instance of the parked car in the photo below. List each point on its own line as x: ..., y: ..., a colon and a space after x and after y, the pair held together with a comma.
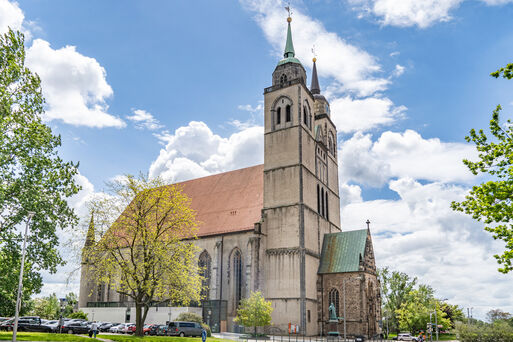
x: 117, y: 328
x: 6, y: 325
x: 406, y: 337
x: 184, y: 329
x: 106, y: 326
x: 28, y: 323
x: 359, y: 338
x: 147, y: 328
x: 162, y: 330
x: 154, y: 329
x: 127, y: 328
x: 75, y: 328
x: 53, y: 325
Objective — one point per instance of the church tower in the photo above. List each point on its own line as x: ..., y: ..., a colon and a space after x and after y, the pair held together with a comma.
x: 301, y: 201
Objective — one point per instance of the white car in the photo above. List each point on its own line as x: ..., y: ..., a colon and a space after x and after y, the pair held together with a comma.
x: 125, y: 329
x: 117, y: 328
x: 406, y: 337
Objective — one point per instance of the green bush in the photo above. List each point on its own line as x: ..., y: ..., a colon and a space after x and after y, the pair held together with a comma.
x: 192, y: 317
x: 499, y: 332
x: 79, y: 314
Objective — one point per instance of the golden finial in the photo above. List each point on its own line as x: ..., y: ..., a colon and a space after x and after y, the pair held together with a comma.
x: 314, y: 59
x: 289, y: 18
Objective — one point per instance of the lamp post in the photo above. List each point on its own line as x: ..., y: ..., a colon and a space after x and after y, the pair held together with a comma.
x: 20, y: 283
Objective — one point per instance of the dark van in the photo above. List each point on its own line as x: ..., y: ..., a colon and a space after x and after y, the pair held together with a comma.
x: 184, y: 329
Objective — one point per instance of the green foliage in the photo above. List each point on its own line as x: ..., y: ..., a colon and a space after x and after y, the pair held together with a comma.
x: 146, y: 253
x: 254, y: 311
x: 453, y: 312
x: 488, y: 333
x: 79, y: 314
x: 46, y: 307
x: 491, y: 201
x: 71, y: 302
x: 395, y: 290
x: 496, y: 315
x: 189, y: 317
x: 414, y: 314
x: 32, y: 176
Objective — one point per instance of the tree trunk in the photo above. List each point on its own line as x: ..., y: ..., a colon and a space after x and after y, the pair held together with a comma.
x: 139, y: 322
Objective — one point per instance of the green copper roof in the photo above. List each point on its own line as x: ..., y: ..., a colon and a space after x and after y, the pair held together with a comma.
x: 289, y: 47
x: 289, y: 60
x: 341, y: 252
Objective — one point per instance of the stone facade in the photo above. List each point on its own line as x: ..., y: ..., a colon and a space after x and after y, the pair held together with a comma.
x: 275, y: 246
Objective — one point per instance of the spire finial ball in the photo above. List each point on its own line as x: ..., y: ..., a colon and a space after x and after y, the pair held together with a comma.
x: 314, y: 59
x: 289, y: 19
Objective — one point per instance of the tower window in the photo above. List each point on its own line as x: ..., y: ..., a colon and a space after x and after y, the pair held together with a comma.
x: 287, y: 113
x: 278, y: 116
x: 326, y: 195
x: 305, y: 116
x: 283, y: 79
x: 322, y: 202
x: 318, y: 200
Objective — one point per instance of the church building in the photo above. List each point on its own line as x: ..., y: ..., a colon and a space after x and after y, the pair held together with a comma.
x: 275, y: 227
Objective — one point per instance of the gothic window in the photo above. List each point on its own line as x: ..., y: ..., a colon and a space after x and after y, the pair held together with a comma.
x: 318, y: 200
x: 283, y: 79
x: 331, y: 143
x: 278, y: 116
x: 204, y: 263
x: 322, y: 202
x: 334, y: 298
x: 237, y: 276
x: 287, y: 113
x: 99, y: 293
x: 326, y: 195
x: 305, y: 116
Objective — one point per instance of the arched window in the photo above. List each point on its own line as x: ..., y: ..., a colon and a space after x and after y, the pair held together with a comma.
x: 318, y: 200
x: 283, y: 79
x: 305, y: 115
x: 204, y: 263
x: 237, y: 276
x: 334, y: 298
x: 326, y: 195
x: 287, y: 113
x: 278, y: 116
x: 322, y: 202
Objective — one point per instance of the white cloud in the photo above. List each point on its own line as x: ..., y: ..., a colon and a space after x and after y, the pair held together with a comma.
x: 350, y: 115
x: 195, y: 151
x: 399, y: 70
x: 403, y: 155
x: 445, y: 249
x: 354, y: 69
x: 10, y: 16
x: 249, y: 108
x: 406, y: 13
x: 74, y: 85
x: 144, y: 120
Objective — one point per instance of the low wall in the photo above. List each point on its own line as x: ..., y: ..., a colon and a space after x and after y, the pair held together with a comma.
x: 156, y: 315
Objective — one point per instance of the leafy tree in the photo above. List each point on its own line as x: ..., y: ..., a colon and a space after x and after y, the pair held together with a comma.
x: 147, y: 253
x: 395, y: 290
x: 254, y: 311
x: 32, y: 176
x: 47, y: 307
x: 453, y: 312
x: 71, y: 302
x: 79, y: 314
x: 495, y: 315
x: 414, y: 314
x: 491, y: 201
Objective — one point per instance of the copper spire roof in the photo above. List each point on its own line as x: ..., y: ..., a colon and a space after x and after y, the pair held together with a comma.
x: 314, y: 87
x: 227, y: 202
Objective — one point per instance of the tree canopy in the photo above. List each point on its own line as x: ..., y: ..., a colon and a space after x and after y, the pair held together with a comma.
x: 254, y: 311
x: 491, y: 201
x: 147, y: 253
x: 32, y: 176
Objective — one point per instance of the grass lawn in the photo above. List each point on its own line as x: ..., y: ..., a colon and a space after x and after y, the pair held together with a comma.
x: 128, y: 338
x: 31, y: 336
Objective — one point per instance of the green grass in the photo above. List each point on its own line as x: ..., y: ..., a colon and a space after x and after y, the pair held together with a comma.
x: 128, y: 338
x: 31, y: 336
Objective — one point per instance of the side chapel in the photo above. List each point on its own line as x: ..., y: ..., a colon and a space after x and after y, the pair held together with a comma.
x: 275, y: 227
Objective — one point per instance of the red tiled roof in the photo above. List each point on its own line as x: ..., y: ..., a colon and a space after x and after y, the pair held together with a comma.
x: 227, y: 202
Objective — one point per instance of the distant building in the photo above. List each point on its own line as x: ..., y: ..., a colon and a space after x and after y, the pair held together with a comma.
x: 275, y: 227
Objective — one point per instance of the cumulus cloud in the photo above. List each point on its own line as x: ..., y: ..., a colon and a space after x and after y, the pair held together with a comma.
x: 11, y: 16
x: 405, y: 13
x: 405, y: 154
x: 445, y: 249
x: 195, y: 151
x: 144, y: 120
x: 74, y: 85
x: 350, y: 114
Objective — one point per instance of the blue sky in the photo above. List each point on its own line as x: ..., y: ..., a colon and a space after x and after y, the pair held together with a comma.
x: 174, y: 88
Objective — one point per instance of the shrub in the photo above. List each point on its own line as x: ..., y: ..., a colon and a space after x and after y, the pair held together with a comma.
x: 189, y: 317
x: 488, y: 333
x: 79, y: 314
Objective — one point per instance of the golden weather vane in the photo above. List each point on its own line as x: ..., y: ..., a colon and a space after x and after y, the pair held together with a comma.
x: 288, y: 9
x: 314, y: 53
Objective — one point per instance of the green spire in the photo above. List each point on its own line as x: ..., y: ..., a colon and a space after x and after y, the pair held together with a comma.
x: 289, y: 47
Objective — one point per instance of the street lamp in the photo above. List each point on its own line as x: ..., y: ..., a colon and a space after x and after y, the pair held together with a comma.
x: 20, y: 283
